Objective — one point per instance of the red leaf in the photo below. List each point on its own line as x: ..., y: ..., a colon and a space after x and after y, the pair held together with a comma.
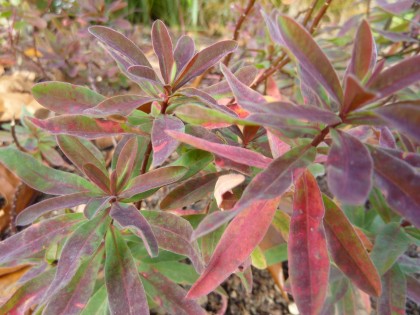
x: 183, y: 52
x: 98, y: 177
x: 163, y: 144
x: 349, y: 169
x: 233, y: 248
x: 364, y: 52
x: 307, y: 247
x: 129, y: 217
x: 355, y: 95
x: 348, y: 251
x: 126, y: 161
x: 122, y: 105
x: 162, y: 45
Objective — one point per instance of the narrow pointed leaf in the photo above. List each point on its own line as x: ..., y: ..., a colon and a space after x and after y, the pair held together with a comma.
x: 29, y: 294
x: 349, y: 169
x: 268, y: 184
x: 390, y: 243
x: 130, y: 217
x: 72, y: 298
x: 64, y: 98
x: 153, y: 179
x: 96, y: 205
x: 171, y: 296
x: 40, y: 177
x: 183, y: 52
x: 173, y: 233
x: 413, y: 289
x: 126, y: 161
x: 246, y: 97
x: 37, y: 237
x: 81, y: 152
x: 189, y: 192
x: 399, y: 182
x: 163, y: 144
x: 34, y: 211
x: 233, y: 249
x: 355, y: 95
x: 348, y: 251
x: 307, y: 247
x: 363, y: 57
x: 84, y: 126
x: 121, y: 44
x: 304, y: 112
x: 298, y: 40
x: 393, y: 299
x: 162, y: 45
x: 397, y: 77
x: 98, y: 303
x: 98, y: 177
x: 79, y: 247
x: 125, y: 290
x: 122, y: 105
x: 246, y: 75
x: 237, y: 154
x: 203, y: 60
x: 404, y: 116
x: 145, y: 73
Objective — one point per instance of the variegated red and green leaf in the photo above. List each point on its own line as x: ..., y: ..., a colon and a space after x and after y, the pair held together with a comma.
x: 307, y: 247
x: 393, y: 299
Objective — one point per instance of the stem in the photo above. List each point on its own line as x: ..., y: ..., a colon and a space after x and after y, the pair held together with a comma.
x: 321, y: 136
x: 238, y: 27
x: 15, y: 139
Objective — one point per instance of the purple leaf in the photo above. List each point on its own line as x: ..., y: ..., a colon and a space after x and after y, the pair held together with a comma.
x: 393, y: 297
x: 125, y: 290
x: 183, y: 52
x: 363, y: 58
x: 355, y: 95
x: 145, y: 73
x: 37, y: 237
x: 129, y: 217
x: 233, y: 249
x: 73, y: 298
x: 173, y: 233
x: 349, y: 169
x: 98, y: 177
x: 189, y: 192
x: 307, y: 247
x: 171, y: 296
x: 40, y: 177
x: 413, y: 289
x: 122, y: 105
x: 64, y: 98
x: 33, y: 212
x: 162, y: 45
x: 399, y: 182
x: 121, y: 44
x: 85, y: 127
x: 153, y: 179
x: 81, y: 152
x: 203, y: 60
x: 29, y: 294
x: 386, y: 139
x: 268, y: 184
x: 298, y: 40
x: 305, y: 112
x: 397, y: 77
x: 237, y: 154
x: 348, y: 251
x: 245, y: 75
x: 79, y: 248
x: 96, y: 205
x: 405, y: 116
x: 126, y: 161
x: 163, y: 144
x: 246, y: 97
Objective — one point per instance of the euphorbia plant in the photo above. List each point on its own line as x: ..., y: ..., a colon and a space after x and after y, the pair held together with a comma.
x: 333, y: 126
